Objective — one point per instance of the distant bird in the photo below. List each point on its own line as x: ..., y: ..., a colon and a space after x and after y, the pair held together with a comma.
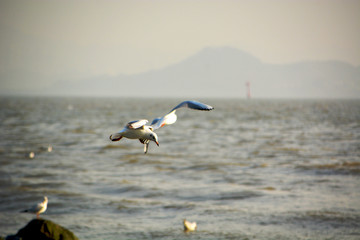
x: 50, y: 148
x: 138, y: 130
x: 38, y: 208
x: 189, y: 226
x: 31, y: 155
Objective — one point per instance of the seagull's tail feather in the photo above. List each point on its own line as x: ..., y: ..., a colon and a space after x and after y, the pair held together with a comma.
x: 115, y: 137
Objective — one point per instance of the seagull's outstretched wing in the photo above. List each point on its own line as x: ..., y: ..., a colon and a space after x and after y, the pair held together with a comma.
x: 171, y: 117
x: 193, y: 105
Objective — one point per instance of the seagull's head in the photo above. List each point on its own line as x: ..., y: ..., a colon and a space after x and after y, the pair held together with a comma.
x: 153, y: 137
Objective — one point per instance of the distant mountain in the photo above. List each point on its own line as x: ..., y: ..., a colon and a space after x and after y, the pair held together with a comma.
x: 223, y: 72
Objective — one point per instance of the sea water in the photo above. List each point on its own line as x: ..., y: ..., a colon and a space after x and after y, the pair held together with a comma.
x: 249, y: 169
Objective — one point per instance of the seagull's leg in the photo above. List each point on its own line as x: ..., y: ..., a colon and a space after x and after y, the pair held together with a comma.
x: 37, y: 215
x: 146, y: 146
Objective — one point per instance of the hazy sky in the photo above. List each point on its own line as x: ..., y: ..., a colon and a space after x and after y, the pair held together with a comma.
x: 77, y: 39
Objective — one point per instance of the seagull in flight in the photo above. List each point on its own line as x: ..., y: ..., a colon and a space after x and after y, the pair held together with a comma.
x: 145, y: 133
x: 38, y: 208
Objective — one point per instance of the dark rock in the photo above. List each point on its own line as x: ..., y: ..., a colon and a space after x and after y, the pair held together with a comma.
x: 12, y: 237
x: 42, y: 229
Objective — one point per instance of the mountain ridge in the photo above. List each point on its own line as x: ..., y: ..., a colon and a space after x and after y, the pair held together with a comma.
x: 223, y: 72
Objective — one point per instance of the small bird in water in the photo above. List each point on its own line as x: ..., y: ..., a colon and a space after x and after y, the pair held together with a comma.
x: 50, y: 148
x: 138, y: 130
x: 189, y: 226
x: 38, y: 208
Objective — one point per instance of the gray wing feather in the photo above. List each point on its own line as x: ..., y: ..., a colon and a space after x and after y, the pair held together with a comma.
x: 35, y: 208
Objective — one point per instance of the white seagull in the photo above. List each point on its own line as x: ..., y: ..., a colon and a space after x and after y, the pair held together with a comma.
x: 145, y: 133
x: 189, y: 226
x: 38, y: 208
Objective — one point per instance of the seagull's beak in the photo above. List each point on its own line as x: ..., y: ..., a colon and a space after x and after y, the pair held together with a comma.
x: 157, y: 143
